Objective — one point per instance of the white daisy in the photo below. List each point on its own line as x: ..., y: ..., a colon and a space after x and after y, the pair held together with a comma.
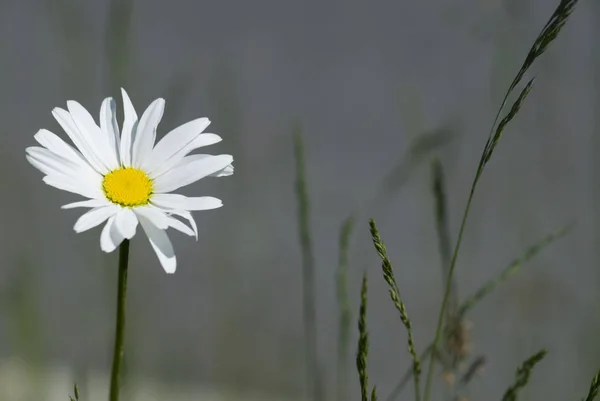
x: 126, y: 178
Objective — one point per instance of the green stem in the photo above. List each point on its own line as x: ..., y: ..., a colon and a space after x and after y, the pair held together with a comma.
x: 313, y: 375
x: 438, y: 330
x: 120, y: 329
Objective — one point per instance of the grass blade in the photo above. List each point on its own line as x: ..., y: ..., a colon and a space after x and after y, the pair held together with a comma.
x: 511, y: 269
x: 388, y: 275
x: 308, y: 271
x: 363, y: 343
x: 548, y: 34
x: 421, y: 147
x: 522, y: 376
x: 344, y: 307
x: 594, y: 388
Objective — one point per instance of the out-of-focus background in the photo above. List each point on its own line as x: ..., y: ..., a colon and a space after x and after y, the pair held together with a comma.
x: 364, y: 80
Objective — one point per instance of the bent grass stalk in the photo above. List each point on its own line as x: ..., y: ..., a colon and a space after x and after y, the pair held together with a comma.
x: 547, y: 35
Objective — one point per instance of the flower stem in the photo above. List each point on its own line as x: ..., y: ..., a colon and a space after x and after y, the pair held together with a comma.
x: 120, y: 328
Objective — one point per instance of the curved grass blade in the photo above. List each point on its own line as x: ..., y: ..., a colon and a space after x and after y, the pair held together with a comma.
x: 511, y: 269
x: 594, y: 388
x: 522, y: 376
x: 421, y: 147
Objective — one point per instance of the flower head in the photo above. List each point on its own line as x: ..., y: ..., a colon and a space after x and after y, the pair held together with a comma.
x: 127, y: 178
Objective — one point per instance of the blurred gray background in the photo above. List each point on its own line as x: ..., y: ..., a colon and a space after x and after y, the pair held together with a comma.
x: 363, y: 79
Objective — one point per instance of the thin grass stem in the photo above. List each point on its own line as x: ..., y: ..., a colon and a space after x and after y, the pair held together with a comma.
x: 313, y: 376
x: 345, y: 316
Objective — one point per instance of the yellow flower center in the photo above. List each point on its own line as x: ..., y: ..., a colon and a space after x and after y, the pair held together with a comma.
x: 127, y: 186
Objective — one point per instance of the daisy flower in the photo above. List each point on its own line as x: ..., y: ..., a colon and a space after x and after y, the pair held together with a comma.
x: 127, y: 178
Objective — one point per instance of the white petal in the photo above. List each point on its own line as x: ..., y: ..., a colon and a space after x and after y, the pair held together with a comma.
x: 94, y: 135
x: 179, y: 226
x: 153, y: 214
x: 129, y: 127
x: 146, y: 132
x: 108, y: 123
x: 95, y: 217
x: 188, y: 216
x: 190, y: 172
x: 177, y: 139
x: 50, y: 163
x: 157, y: 168
x: 110, y: 238
x: 227, y: 171
x: 126, y: 222
x: 66, y: 183
x: 58, y: 167
x: 87, y: 203
x: 81, y: 142
x: 181, y: 202
x: 55, y: 144
x: 161, y: 244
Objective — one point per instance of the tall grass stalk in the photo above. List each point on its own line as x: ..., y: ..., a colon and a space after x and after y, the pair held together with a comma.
x: 388, y: 275
x: 547, y: 35
x: 313, y: 376
x: 345, y: 317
